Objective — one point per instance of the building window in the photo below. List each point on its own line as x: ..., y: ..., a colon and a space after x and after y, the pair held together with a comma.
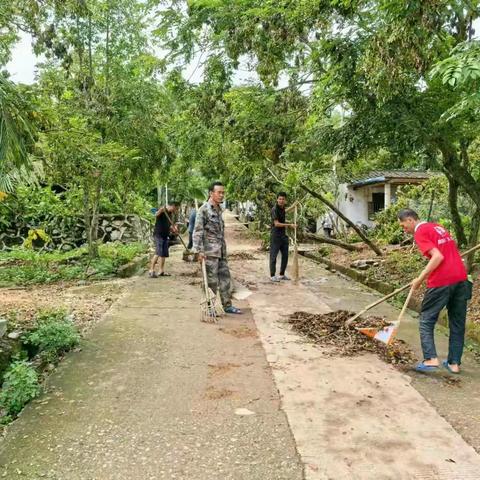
x: 376, y: 205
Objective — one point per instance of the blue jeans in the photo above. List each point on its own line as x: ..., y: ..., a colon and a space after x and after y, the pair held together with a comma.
x: 455, y: 298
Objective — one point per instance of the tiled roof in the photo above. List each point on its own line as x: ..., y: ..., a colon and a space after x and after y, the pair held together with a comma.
x: 399, y: 174
x: 379, y: 176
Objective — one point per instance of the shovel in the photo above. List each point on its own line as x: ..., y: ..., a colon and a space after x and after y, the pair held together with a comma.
x: 387, y: 334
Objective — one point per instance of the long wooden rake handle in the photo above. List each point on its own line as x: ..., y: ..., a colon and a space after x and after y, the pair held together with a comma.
x: 205, y: 281
x: 405, y: 305
x: 395, y: 292
x: 179, y: 236
x: 377, y: 302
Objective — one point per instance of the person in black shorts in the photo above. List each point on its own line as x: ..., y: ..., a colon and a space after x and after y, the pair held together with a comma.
x: 161, y: 232
x: 279, y: 239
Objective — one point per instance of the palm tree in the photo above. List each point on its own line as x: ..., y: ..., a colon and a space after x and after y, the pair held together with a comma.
x: 15, y: 137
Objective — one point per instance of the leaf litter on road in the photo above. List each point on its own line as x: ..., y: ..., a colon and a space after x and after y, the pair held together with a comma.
x: 330, y: 329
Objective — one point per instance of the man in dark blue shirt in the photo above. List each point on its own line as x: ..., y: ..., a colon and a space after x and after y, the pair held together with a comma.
x: 161, y: 232
x: 278, y: 238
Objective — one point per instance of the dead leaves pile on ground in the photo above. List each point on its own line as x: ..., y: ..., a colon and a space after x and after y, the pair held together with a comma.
x: 242, y: 256
x: 330, y: 330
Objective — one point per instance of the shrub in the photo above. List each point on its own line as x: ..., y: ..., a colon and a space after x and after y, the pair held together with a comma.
x: 53, y: 335
x: 26, y: 267
x: 473, y: 331
x: 20, y: 385
x: 387, y: 229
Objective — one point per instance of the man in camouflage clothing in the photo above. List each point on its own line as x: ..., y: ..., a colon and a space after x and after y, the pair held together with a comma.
x: 209, y: 243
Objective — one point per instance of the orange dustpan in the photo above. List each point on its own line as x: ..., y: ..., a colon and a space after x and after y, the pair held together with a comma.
x: 387, y: 334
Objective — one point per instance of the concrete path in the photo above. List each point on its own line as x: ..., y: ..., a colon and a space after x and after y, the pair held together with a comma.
x: 155, y: 394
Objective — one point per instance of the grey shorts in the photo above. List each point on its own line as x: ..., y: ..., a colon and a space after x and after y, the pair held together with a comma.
x: 161, y: 247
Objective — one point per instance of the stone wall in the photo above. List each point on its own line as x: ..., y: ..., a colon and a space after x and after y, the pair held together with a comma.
x: 68, y: 233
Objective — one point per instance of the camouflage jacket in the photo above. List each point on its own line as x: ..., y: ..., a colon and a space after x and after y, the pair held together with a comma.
x: 209, y: 232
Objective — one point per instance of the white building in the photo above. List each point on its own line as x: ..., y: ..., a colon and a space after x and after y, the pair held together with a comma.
x: 361, y: 199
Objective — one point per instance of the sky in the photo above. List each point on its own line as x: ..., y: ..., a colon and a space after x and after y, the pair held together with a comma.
x: 22, y: 67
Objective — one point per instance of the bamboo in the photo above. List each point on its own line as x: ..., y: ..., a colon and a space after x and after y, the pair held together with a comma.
x: 295, y: 248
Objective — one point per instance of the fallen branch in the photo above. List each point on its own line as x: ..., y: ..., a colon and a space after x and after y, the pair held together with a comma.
x: 344, y: 218
x: 332, y: 241
x: 330, y: 205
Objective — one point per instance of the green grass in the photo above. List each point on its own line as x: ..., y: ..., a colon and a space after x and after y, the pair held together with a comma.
x: 54, y: 334
x: 20, y: 385
x: 26, y: 267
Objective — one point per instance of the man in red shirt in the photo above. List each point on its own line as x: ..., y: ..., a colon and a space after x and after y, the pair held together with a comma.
x: 447, y: 286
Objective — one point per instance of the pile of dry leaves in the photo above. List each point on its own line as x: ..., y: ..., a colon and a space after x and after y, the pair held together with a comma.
x: 330, y: 329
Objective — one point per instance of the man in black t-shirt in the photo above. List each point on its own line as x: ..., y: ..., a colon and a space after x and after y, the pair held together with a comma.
x: 161, y: 232
x: 278, y: 238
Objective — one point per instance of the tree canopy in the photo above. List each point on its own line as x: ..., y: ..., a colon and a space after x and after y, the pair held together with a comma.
x: 341, y: 87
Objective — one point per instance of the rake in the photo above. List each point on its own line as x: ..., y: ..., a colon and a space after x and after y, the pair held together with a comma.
x: 210, y: 307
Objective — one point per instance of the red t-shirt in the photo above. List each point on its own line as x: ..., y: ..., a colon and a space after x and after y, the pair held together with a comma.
x: 451, y: 270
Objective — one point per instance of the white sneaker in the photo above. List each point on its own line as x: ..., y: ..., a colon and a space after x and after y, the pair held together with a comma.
x: 284, y: 277
x: 275, y: 279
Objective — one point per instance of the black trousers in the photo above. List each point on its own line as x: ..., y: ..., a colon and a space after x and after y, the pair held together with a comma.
x: 278, y: 244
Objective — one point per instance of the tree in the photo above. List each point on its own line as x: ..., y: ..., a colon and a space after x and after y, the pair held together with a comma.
x: 102, y: 108
x: 16, y: 136
x: 370, y: 60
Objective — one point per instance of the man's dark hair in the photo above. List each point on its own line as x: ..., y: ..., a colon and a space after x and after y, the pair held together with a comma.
x: 212, y: 186
x: 174, y: 204
x: 281, y: 194
x: 407, y: 213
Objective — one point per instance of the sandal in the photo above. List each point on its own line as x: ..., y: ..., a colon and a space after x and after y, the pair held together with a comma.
x: 421, y: 367
x: 447, y: 366
x: 233, y: 309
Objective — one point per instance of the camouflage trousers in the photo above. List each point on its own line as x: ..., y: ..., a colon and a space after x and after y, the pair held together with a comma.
x: 218, y: 276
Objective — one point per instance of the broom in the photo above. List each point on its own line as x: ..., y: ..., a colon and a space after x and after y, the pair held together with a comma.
x: 295, y: 249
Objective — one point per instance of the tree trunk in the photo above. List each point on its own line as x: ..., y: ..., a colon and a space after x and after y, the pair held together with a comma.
x: 107, y: 52
x: 90, y: 209
x: 90, y: 57
x: 473, y: 237
x: 94, y: 225
x: 453, y: 167
x: 344, y: 218
x: 430, y: 208
x: 332, y: 241
x: 453, y: 205
x: 87, y: 218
